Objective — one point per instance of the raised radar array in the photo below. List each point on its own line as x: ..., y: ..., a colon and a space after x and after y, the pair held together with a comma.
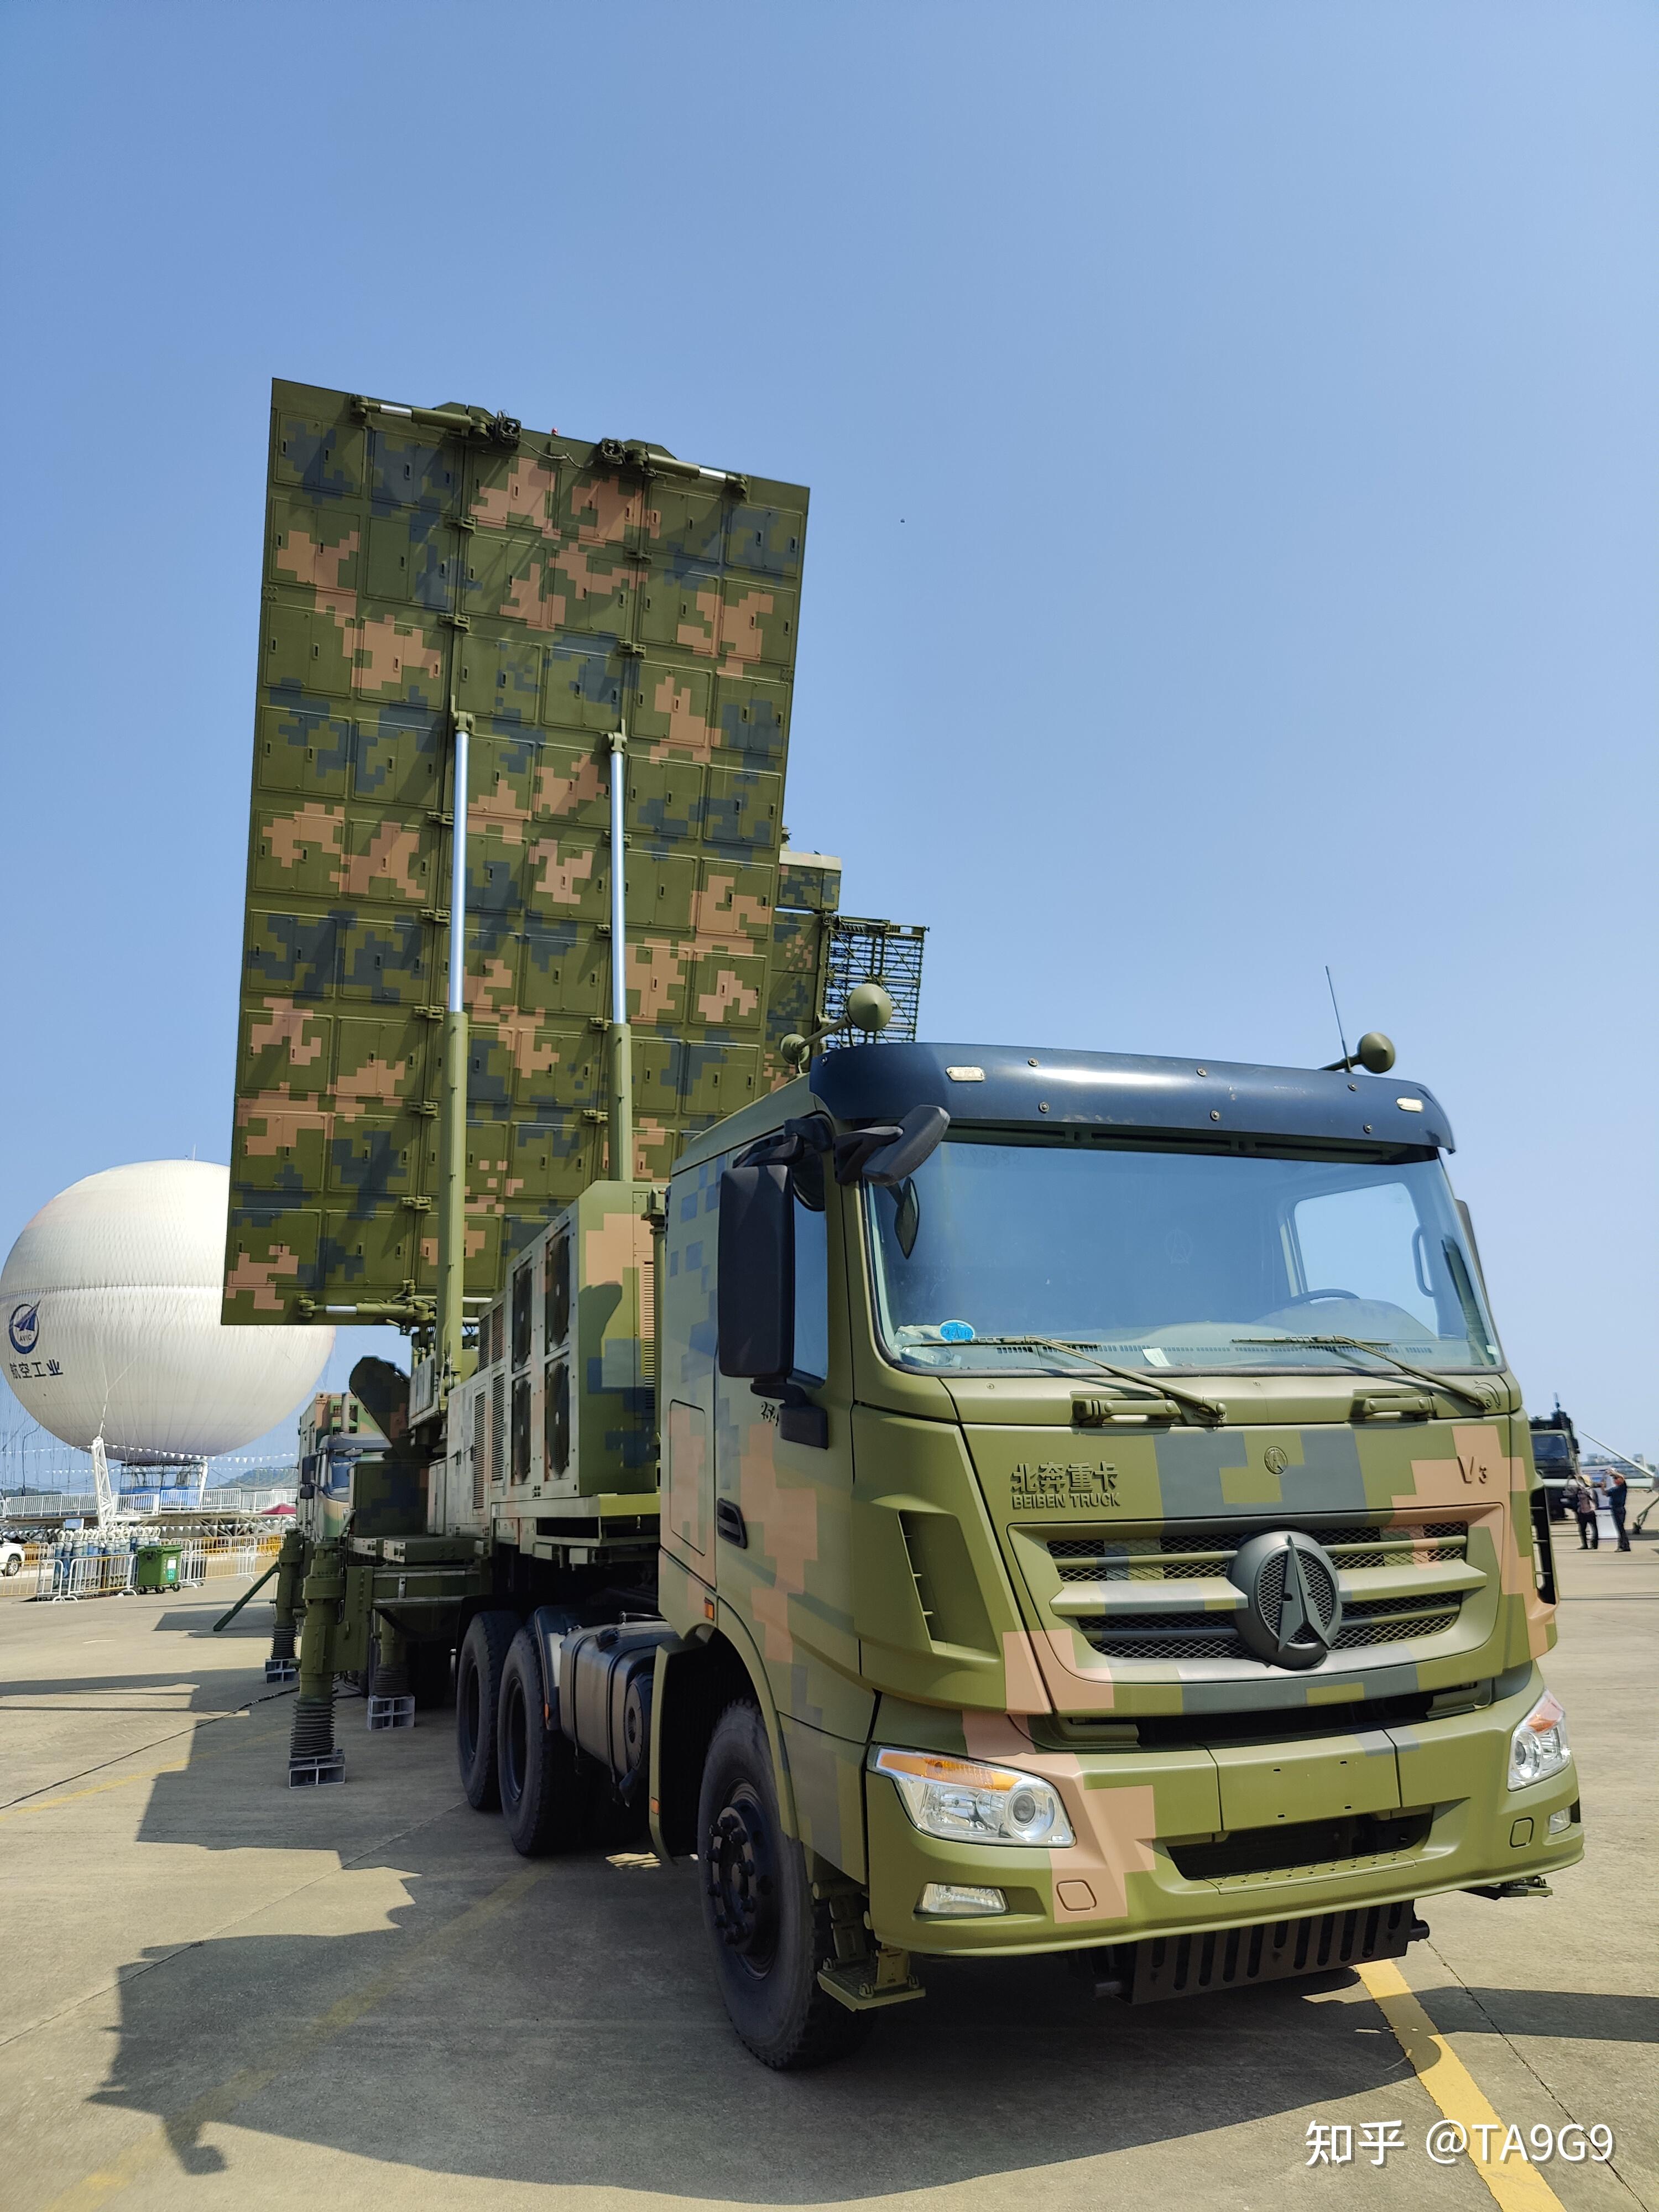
x: 442, y: 585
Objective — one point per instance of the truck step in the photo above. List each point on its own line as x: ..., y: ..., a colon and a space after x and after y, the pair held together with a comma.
x: 886, y: 1977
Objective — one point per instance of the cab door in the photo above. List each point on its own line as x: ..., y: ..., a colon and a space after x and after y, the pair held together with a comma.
x: 783, y: 1503
x: 687, y: 1383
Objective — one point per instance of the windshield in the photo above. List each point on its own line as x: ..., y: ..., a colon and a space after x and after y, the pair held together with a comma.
x: 1549, y: 1448
x: 1157, y: 1260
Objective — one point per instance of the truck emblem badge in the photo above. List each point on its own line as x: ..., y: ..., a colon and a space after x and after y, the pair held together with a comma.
x: 1293, y: 1607
x: 1275, y: 1459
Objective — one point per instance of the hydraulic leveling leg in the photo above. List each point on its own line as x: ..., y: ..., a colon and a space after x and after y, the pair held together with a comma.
x: 290, y: 1561
x: 311, y: 1756
x: 391, y: 1702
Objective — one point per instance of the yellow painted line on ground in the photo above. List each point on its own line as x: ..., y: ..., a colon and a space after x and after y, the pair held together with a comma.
x: 178, y: 2131
x: 1516, y: 2183
x: 176, y: 1766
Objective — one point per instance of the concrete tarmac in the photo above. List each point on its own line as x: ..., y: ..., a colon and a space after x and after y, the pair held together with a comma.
x: 222, y: 1993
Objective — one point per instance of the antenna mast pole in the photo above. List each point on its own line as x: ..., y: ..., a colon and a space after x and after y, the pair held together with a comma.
x: 621, y: 1049
x: 452, y: 1218
x: 1347, y: 1057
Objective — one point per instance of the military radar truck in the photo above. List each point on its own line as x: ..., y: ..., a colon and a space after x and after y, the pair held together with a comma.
x: 961, y: 1500
x: 1095, y: 1516
x: 1555, y: 1455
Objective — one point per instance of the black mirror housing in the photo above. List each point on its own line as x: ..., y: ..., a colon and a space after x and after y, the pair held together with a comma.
x: 916, y: 1138
x: 756, y: 1299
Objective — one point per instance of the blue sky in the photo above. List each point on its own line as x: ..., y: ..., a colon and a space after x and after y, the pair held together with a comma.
x: 1234, y: 540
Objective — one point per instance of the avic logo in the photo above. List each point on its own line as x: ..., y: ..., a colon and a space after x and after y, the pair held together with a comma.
x: 24, y: 1327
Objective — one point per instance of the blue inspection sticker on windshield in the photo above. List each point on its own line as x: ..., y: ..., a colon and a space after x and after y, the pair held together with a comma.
x: 956, y: 1332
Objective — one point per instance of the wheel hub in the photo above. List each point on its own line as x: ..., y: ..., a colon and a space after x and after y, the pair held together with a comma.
x: 742, y: 1879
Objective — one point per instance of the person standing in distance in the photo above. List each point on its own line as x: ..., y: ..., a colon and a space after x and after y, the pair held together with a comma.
x: 1582, y: 1498
x: 1617, y: 1497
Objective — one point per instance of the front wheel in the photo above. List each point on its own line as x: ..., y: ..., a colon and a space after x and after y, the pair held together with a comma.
x: 14, y: 1563
x: 769, y: 1937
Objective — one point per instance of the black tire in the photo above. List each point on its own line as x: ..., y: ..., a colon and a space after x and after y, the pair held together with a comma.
x: 768, y: 1935
x: 478, y: 1696
x: 13, y: 1564
x: 550, y: 1793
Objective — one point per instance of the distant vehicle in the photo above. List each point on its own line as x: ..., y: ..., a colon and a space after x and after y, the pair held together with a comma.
x: 1555, y: 1455
x: 11, y: 1556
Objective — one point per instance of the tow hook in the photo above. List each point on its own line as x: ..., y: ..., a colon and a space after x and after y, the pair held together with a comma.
x: 1529, y: 1885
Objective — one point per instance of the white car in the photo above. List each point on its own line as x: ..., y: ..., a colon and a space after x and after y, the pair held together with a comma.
x: 11, y: 1556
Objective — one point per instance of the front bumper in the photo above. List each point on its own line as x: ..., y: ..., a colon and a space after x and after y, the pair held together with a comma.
x: 1440, y: 1786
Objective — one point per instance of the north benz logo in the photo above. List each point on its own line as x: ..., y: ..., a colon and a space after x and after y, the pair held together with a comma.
x: 1293, y: 1607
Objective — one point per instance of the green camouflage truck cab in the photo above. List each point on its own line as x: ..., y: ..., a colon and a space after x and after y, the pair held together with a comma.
x: 1120, y: 1512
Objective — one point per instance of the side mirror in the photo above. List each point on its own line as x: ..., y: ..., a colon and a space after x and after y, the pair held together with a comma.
x: 892, y: 1152
x: 755, y: 1301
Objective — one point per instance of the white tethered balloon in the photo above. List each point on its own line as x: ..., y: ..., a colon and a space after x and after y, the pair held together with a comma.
x: 109, y: 1304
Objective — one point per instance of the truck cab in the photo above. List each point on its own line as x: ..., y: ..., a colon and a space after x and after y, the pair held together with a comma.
x: 1555, y: 1455
x: 1103, y: 1476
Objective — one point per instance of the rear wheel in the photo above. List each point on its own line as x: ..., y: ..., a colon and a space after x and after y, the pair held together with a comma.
x: 477, y: 1698
x: 769, y: 1937
x: 550, y: 1793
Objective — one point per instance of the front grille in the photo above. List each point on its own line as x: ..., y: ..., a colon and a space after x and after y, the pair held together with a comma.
x: 1120, y: 1568
x: 1392, y: 1620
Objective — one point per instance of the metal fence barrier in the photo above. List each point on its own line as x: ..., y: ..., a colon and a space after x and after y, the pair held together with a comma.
x: 108, y: 1569
x: 65, y: 1575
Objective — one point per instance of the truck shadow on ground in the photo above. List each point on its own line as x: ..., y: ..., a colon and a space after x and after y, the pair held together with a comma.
x: 575, y: 2038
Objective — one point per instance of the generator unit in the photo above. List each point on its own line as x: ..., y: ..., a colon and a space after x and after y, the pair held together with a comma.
x: 556, y: 1431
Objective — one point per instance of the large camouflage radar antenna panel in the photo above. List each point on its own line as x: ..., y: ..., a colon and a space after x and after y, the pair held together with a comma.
x: 420, y: 562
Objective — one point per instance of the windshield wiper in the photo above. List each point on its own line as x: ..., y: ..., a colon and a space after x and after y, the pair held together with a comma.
x: 1481, y: 1400
x: 1154, y: 1385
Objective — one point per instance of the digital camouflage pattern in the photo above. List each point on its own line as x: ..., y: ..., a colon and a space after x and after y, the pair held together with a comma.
x: 809, y: 892
x: 955, y: 1572
x: 553, y: 590
x: 560, y: 1419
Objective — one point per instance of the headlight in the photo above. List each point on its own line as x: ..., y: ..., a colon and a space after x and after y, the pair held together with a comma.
x: 966, y: 1803
x: 1539, y: 1746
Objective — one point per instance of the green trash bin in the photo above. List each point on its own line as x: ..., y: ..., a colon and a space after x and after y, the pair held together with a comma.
x: 158, y: 1567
